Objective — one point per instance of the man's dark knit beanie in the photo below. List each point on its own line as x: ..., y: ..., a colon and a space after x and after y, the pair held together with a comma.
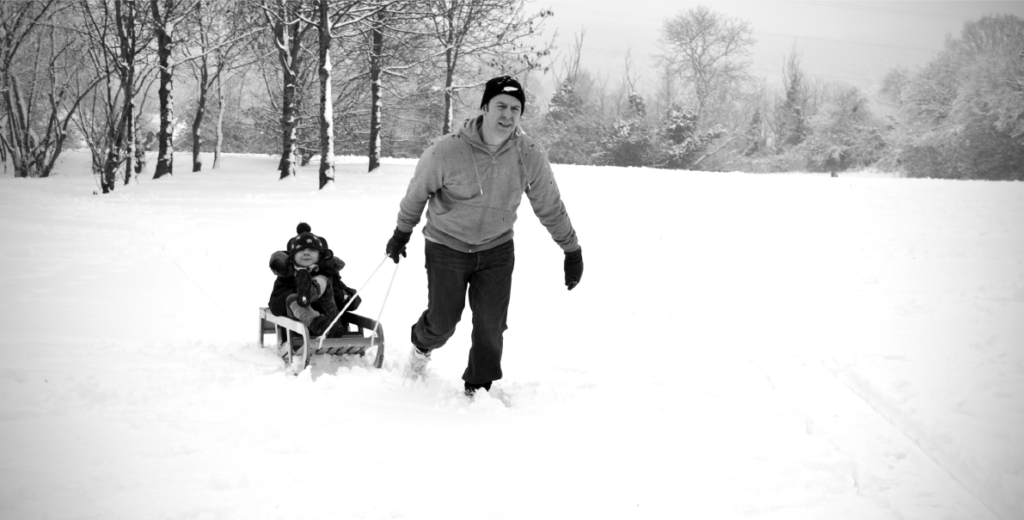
x: 503, y: 85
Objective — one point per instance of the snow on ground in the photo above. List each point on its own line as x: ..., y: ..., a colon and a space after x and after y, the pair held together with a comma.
x: 741, y: 346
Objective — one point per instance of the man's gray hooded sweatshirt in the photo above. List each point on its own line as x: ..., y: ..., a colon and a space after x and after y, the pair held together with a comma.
x: 472, y: 195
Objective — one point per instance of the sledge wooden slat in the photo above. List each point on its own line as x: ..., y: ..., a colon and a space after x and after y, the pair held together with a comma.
x: 342, y: 350
x: 352, y: 342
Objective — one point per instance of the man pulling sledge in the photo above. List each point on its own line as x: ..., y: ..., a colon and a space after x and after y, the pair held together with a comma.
x: 472, y: 182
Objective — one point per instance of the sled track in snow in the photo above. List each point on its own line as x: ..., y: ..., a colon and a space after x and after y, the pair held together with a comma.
x: 957, y: 470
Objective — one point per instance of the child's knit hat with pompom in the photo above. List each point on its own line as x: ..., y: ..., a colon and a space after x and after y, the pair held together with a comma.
x: 305, y: 239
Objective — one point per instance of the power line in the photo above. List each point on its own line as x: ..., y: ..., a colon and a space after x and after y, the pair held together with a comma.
x: 835, y: 5
x: 648, y: 55
x: 853, y: 42
x: 876, y: 9
x: 610, y: 14
x: 767, y: 34
x: 606, y: 13
x: 761, y: 69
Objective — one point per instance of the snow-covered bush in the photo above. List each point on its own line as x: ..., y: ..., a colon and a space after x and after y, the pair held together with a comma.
x: 964, y: 113
x: 844, y: 134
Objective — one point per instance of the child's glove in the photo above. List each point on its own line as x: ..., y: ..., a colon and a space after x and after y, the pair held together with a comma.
x: 279, y: 263
x: 573, y: 268
x: 396, y: 246
x: 334, y: 263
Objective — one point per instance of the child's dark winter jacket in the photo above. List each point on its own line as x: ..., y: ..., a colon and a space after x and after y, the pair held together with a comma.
x: 284, y: 285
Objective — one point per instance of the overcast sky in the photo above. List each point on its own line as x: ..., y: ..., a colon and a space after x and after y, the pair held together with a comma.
x: 853, y: 42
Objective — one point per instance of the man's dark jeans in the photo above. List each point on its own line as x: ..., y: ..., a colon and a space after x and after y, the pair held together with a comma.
x: 487, y: 275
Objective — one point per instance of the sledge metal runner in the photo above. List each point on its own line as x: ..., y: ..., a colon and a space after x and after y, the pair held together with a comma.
x: 361, y: 335
x: 358, y: 335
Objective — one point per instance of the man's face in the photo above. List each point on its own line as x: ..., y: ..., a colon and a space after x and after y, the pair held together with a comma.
x: 502, y: 116
x: 307, y: 257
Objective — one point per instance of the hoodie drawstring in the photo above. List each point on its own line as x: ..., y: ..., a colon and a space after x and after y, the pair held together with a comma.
x: 522, y: 164
x: 479, y: 184
x: 522, y: 168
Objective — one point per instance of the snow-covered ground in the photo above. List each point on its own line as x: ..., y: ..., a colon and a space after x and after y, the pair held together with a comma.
x: 741, y: 346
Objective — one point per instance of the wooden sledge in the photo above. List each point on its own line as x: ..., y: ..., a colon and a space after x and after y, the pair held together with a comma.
x: 361, y: 334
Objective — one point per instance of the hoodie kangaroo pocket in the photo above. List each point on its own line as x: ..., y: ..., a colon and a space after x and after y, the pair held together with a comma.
x: 474, y: 224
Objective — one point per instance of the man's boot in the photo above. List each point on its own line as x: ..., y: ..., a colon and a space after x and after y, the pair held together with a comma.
x: 417, y: 365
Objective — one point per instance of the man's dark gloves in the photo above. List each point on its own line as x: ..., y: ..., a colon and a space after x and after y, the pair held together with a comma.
x: 573, y: 268
x: 396, y: 246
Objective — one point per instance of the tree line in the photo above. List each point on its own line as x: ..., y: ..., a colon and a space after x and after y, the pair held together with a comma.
x: 313, y: 78
x: 960, y: 116
x: 306, y: 78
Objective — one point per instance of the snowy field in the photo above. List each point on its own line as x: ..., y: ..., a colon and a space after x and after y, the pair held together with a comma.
x: 741, y: 347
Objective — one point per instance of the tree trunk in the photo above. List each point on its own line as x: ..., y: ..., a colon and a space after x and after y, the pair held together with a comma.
x: 16, y: 127
x: 109, y: 171
x: 3, y: 154
x: 449, y: 80
x: 376, y: 51
x: 32, y: 154
x: 288, y: 127
x: 128, y: 136
x: 141, y: 147
x: 113, y: 161
x: 197, y: 123
x: 326, y: 102
x: 165, y: 156
x: 220, y: 116
x: 288, y: 46
x: 131, y: 141
x: 121, y: 134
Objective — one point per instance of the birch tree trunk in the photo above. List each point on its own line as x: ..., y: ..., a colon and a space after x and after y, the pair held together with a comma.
x: 165, y: 43
x: 140, y: 148
x: 326, y: 102
x: 131, y: 144
x: 126, y: 132
x: 220, y: 116
x: 376, y: 50
x: 120, y: 129
x: 288, y: 127
x: 197, y: 122
x: 449, y: 91
x: 289, y: 44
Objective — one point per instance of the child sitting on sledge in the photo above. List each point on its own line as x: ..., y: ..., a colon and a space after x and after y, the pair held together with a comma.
x: 308, y: 287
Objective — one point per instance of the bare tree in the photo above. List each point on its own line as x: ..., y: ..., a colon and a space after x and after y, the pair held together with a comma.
x: 579, y: 113
x: 345, y: 14
x: 289, y: 31
x: 758, y: 133
x: 707, y: 50
x: 167, y: 14
x: 326, y: 33
x: 42, y: 83
x: 477, y: 31
x: 216, y: 44
x: 667, y: 93
x: 376, y: 62
x: 107, y: 119
x: 397, y: 53
x: 792, y: 111
x: 895, y: 86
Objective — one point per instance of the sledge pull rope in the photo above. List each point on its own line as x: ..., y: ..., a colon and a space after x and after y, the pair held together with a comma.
x: 320, y: 340
x: 376, y: 322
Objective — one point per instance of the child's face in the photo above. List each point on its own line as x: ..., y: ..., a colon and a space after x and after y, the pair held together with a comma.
x: 307, y: 257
